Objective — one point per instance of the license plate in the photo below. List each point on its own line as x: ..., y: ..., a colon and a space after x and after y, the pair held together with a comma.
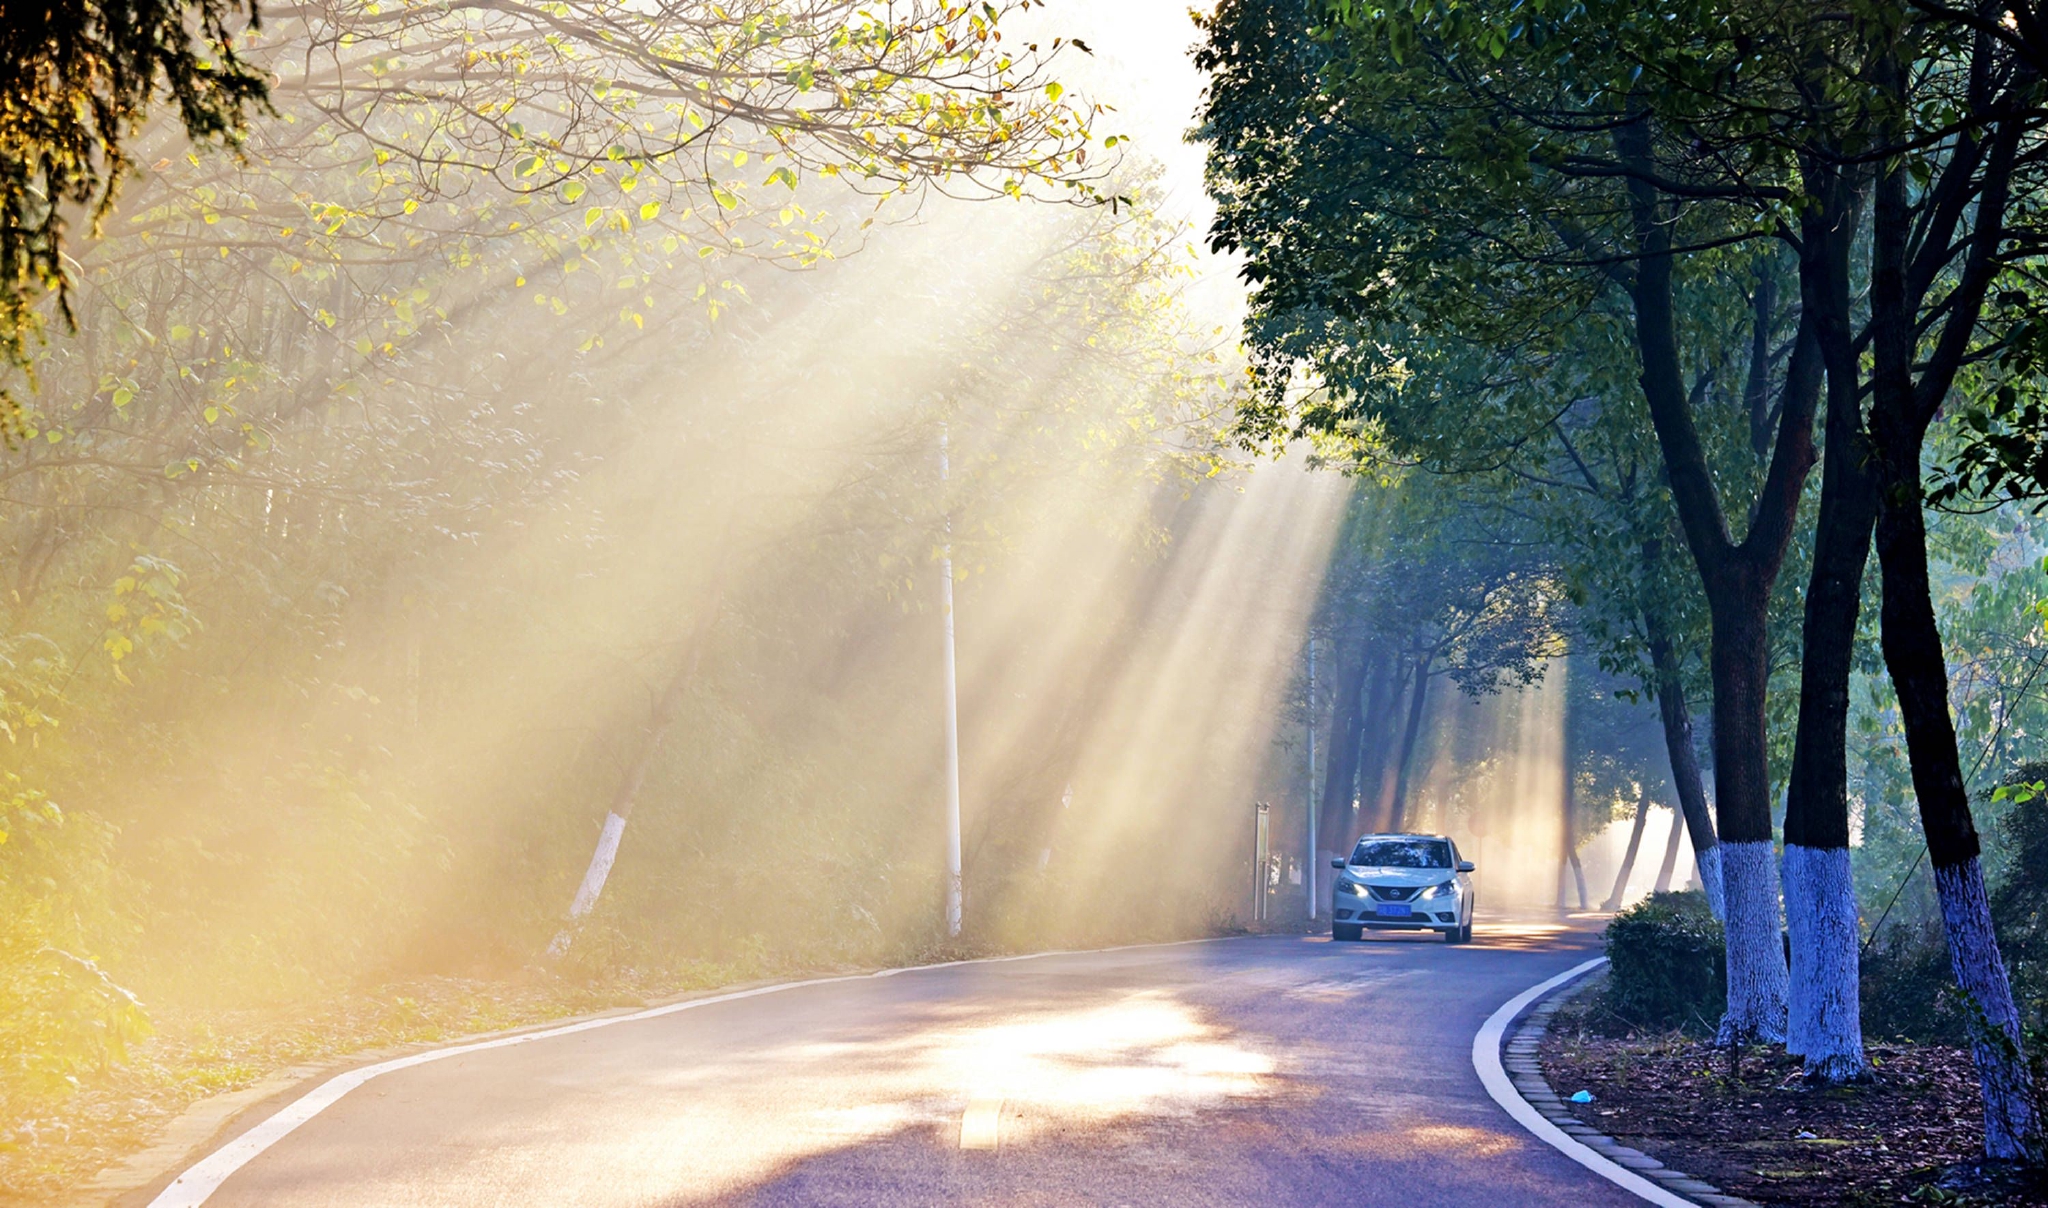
x: 1393, y: 909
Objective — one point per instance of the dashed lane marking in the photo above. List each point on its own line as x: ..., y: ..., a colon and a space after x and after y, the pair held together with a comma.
x: 981, y: 1124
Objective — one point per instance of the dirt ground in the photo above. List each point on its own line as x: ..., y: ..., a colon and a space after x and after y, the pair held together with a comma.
x: 1761, y: 1134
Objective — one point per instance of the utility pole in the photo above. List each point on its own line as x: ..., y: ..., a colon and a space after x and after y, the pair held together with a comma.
x: 952, y: 704
x: 1309, y: 878
x: 1261, y: 859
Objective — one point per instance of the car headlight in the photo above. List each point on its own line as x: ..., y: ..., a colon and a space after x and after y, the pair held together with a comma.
x: 1447, y: 889
x: 1351, y: 887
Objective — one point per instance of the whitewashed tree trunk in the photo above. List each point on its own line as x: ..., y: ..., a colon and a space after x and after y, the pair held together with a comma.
x: 1824, y: 1023
x: 593, y: 881
x: 1756, y: 947
x: 627, y: 794
x: 1980, y: 971
x: 1795, y: 879
x: 1709, y: 864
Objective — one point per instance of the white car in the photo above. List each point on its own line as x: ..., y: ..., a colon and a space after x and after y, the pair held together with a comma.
x: 1403, y: 883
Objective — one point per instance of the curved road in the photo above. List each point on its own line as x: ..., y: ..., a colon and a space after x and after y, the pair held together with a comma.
x: 1268, y: 1070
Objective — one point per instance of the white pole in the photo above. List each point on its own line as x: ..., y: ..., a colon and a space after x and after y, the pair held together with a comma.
x: 1309, y: 878
x: 952, y: 714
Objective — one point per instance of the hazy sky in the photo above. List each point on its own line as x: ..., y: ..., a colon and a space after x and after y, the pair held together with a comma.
x: 1142, y: 67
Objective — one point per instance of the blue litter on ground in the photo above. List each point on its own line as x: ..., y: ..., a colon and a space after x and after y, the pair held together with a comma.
x: 1582, y: 1096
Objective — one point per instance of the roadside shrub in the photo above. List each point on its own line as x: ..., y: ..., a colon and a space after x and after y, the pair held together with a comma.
x: 1666, y: 968
x: 1906, y: 986
x: 2019, y: 886
x: 61, y: 1015
x: 1909, y: 992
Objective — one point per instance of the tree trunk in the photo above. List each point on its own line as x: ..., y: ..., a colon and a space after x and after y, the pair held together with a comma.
x: 1737, y: 581
x: 1901, y: 409
x: 1569, y: 861
x: 1682, y: 754
x: 1337, y: 812
x: 1757, y: 975
x: 1825, y: 1018
x: 1913, y: 655
x: 1628, y: 859
x: 1376, y: 769
x: 1670, y: 863
x: 1756, y: 392
x: 627, y: 793
x: 1418, y: 693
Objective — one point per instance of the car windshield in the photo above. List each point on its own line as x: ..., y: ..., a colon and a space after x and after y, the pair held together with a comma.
x: 1403, y: 853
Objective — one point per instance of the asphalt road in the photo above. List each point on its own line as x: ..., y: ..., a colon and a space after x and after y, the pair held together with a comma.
x: 1271, y: 1070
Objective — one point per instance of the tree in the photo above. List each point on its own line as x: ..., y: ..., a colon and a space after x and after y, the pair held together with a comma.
x: 79, y: 78
x: 1548, y: 363
x: 1499, y: 206
x: 1427, y: 583
x: 1919, y: 111
x: 369, y: 495
x: 1507, y: 166
x: 1953, y: 214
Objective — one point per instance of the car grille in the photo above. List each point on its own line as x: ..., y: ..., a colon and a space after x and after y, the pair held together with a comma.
x: 1395, y: 893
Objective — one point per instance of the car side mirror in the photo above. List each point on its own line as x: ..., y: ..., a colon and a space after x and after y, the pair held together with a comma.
x: 1336, y: 863
x: 1465, y: 866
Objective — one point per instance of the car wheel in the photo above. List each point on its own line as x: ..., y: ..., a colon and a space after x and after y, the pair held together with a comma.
x: 1347, y: 931
x: 1451, y: 935
x: 1465, y: 933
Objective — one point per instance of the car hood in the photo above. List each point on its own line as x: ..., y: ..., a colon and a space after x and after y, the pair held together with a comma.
x: 1398, y: 876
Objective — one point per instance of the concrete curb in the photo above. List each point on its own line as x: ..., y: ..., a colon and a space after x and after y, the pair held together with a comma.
x: 1519, y: 1058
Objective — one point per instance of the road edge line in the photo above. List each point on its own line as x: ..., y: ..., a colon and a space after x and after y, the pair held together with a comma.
x: 197, y: 1182
x: 1486, y: 1047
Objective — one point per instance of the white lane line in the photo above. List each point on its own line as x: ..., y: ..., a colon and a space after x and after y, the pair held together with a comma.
x: 204, y: 1177
x: 981, y: 1124
x: 1486, y: 1060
